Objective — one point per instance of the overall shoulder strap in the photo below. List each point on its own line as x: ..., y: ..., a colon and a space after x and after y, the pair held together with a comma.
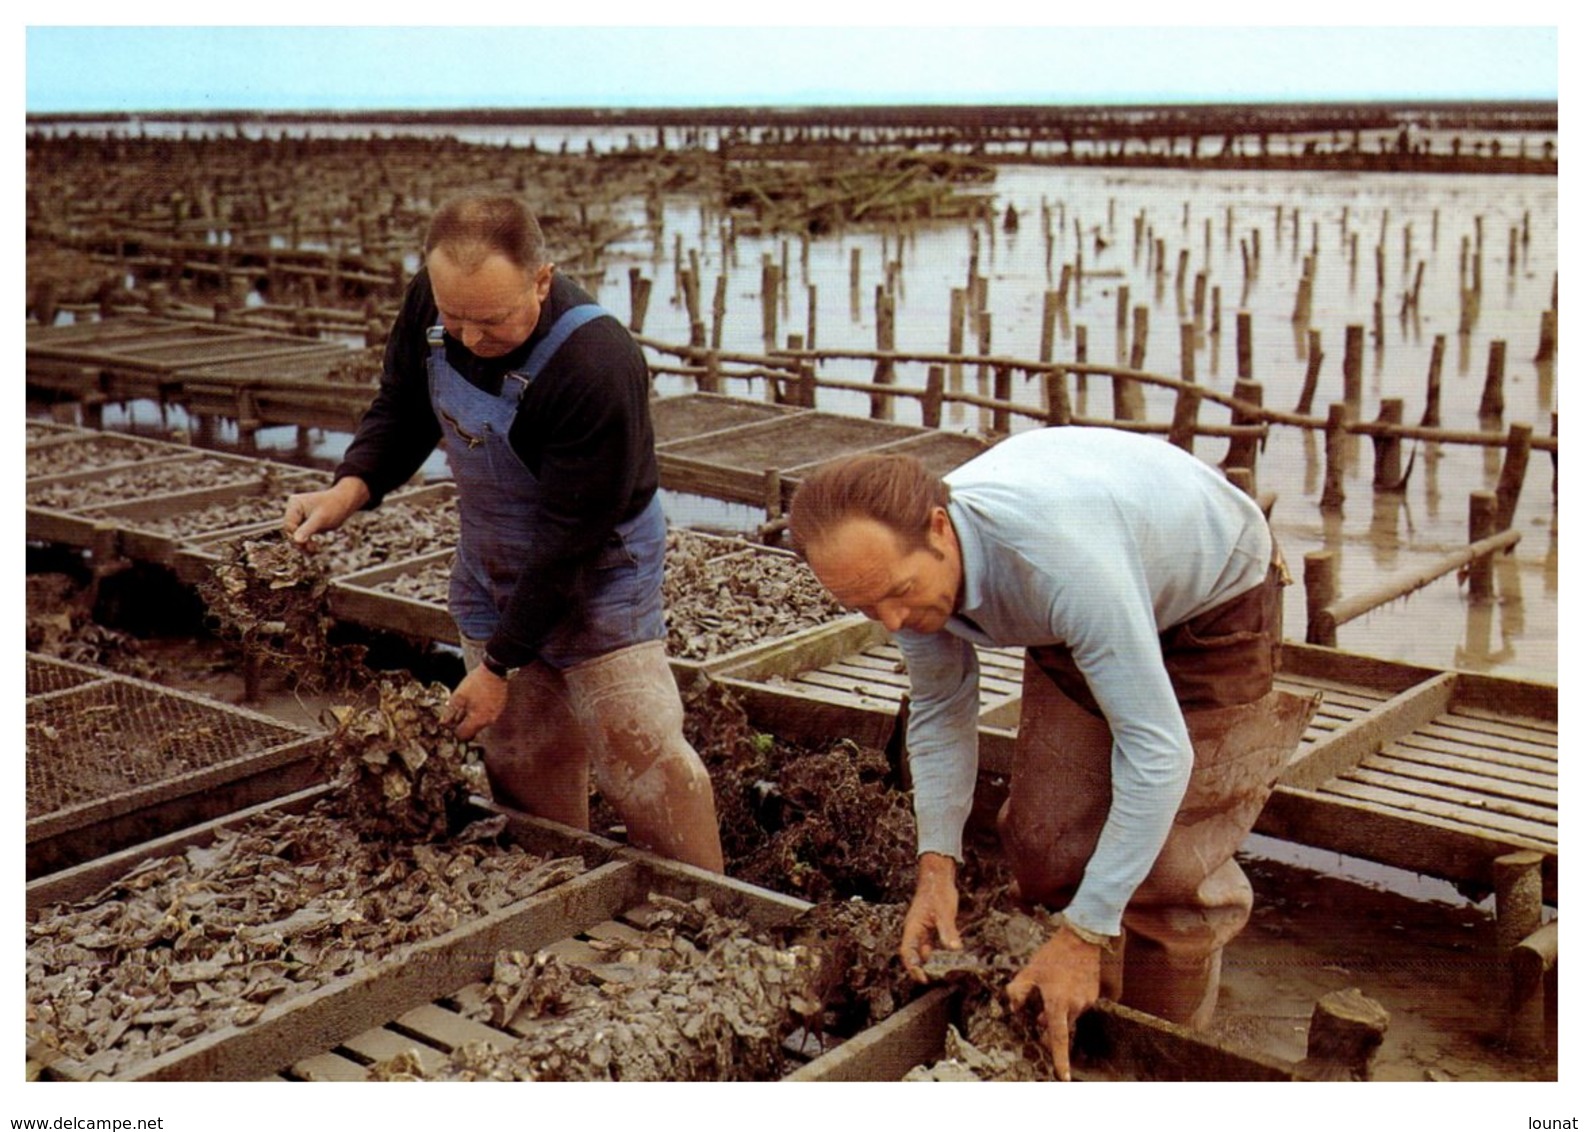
x: 568, y: 322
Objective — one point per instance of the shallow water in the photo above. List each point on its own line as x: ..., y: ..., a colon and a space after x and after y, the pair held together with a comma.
x: 1445, y: 223
x: 1126, y: 223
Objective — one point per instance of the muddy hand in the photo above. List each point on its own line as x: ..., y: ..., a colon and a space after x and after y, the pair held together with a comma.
x: 1066, y: 973
x: 476, y: 703
x: 931, y: 915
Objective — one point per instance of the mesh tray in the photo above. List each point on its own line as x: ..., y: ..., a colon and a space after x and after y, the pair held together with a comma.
x: 101, y: 740
x: 47, y: 674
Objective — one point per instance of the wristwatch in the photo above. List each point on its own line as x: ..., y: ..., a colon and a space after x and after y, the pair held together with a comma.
x: 495, y: 667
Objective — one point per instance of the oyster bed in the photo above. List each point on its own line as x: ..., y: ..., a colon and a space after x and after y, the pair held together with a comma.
x: 155, y: 478
x: 719, y: 601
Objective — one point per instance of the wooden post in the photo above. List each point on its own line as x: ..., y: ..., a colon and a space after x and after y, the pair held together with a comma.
x: 1335, y: 437
x: 1481, y: 525
x: 1437, y: 359
x: 1045, y: 345
x: 1344, y: 1034
x: 1519, y: 911
x: 1122, y: 312
x: 808, y: 385
x: 1519, y: 897
x: 1529, y: 960
x: 1243, y: 451
x: 1513, y: 469
x: 1352, y: 366
x: 1310, y: 381
x: 772, y: 493
x: 710, y: 380
x: 1302, y: 307
x: 639, y: 299
x: 719, y: 310
x: 1492, y: 402
x: 1244, y: 345
x: 1139, y: 337
x: 932, y: 402
x: 1001, y: 393
x: 1321, y: 582
x: 769, y: 303
x: 1129, y: 402
x: 1387, y: 448
x: 1183, y: 425
x: 1058, y: 394
x: 883, y: 373
x: 1547, y: 337
x: 811, y: 316
x: 1188, y: 351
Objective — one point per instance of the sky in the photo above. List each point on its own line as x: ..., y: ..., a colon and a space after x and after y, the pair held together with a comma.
x: 172, y: 67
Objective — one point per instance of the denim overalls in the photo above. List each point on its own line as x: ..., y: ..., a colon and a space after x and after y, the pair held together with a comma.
x: 617, y: 602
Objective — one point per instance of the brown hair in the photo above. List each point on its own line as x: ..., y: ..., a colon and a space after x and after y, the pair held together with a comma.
x: 474, y: 225
x: 894, y: 490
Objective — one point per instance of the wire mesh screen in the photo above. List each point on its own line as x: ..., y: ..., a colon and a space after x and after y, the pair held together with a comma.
x: 102, y: 740
x: 46, y: 675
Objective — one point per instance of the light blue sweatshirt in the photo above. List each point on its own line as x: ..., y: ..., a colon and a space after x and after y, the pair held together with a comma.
x: 1098, y: 539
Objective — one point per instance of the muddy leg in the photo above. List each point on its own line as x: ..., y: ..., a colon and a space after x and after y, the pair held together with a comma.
x: 1173, y: 952
x: 537, y: 753
x: 643, y: 764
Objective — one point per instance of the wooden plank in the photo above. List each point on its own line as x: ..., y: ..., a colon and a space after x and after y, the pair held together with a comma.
x: 447, y: 1030
x: 1541, y: 761
x: 1440, y: 729
x: 1498, y: 773
x: 389, y: 985
x: 911, y: 1036
x: 328, y: 1067
x: 1470, y: 789
x: 1436, y: 799
x: 1353, y: 742
x: 1351, y: 670
x: 1347, y: 699
x: 381, y: 1044
x: 1545, y: 728
x: 835, y: 640
x: 1530, y: 699
x: 1428, y: 845
x: 1146, y: 1048
x: 844, y: 697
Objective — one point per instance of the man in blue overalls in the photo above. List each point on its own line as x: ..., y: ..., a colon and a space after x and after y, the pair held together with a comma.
x: 541, y: 401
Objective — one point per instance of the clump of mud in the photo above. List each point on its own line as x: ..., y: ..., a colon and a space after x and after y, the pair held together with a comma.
x: 821, y: 823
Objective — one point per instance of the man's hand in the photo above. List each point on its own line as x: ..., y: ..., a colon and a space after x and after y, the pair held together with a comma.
x: 932, y: 913
x: 308, y: 513
x: 477, y: 702
x: 1066, y: 972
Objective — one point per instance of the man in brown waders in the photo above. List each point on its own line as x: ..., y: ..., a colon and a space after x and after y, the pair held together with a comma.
x: 1146, y: 590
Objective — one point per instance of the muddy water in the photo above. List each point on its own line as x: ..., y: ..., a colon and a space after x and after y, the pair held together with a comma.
x: 1446, y: 224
